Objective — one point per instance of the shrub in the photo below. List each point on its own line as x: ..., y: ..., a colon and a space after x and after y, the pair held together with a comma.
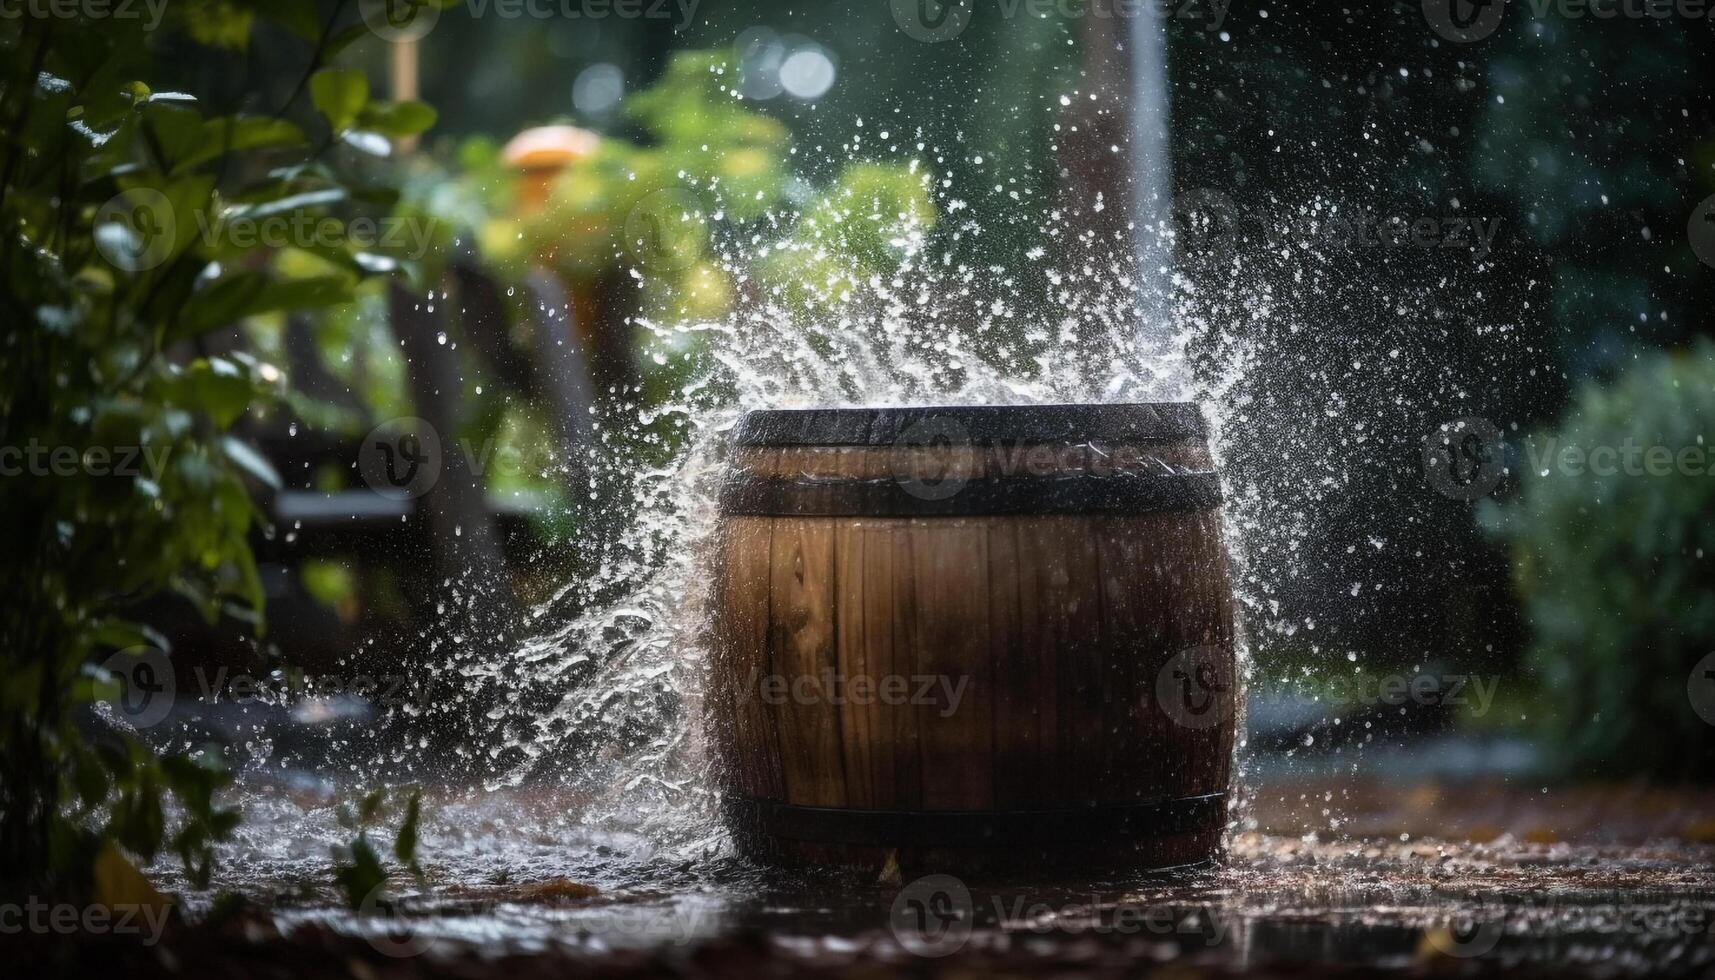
x: 112, y: 174
x: 1614, y: 557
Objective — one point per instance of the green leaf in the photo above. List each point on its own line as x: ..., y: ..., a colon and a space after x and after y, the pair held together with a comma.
x: 217, y: 388
x: 119, y: 634
x: 370, y: 806
x: 363, y: 876
x: 398, y: 119
x: 90, y: 778
x: 405, y: 845
x: 231, y: 135
x: 252, y: 293
x: 172, y: 132
x: 339, y: 94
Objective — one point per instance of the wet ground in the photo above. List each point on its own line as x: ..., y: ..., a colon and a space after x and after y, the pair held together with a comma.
x: 1418, y: 878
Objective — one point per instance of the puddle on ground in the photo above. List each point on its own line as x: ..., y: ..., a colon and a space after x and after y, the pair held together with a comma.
x: 511, y: 875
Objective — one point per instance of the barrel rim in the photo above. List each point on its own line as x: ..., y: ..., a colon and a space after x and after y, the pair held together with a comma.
x: 1120, y: 494
x: 1117, y: 422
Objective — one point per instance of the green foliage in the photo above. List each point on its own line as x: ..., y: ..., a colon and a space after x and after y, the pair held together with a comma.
x: 358, y: 867
x: 669, y: 212
x: 708, y: 153
x: 1615, y: 569
x: 846, y: 234
x: 118, y: 203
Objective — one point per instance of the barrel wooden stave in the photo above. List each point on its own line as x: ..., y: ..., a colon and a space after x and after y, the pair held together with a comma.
x: 1057, y: 626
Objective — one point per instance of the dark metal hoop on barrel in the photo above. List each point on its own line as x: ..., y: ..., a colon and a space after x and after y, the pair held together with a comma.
x: 973, y: 637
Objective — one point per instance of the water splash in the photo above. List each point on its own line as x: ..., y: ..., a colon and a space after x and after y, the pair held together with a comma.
x: 601, y: 703
x: 622, y: 731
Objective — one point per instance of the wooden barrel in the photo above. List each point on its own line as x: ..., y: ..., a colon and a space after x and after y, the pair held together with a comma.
x: 973, y: 637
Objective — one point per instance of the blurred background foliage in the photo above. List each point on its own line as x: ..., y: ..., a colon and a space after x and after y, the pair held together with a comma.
x: 1611, y: 541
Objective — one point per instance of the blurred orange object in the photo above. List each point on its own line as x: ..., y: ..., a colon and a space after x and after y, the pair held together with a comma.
x: 541, y: 153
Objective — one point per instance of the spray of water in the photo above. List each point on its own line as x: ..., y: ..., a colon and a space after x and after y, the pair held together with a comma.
x: 622, y: 731
x: 601, y: 704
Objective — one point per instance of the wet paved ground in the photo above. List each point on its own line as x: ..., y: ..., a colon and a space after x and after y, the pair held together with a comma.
x: 1417, y: 879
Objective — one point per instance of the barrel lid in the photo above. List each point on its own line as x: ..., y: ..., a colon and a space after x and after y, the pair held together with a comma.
x: 1134, y: 422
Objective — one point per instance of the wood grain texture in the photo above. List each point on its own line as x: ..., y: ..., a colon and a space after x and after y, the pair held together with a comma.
x: 802, y: 631
x: 1023, y: 653
x: 742, y: 730
x: 1060, y: 615
x: 952, y: 685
